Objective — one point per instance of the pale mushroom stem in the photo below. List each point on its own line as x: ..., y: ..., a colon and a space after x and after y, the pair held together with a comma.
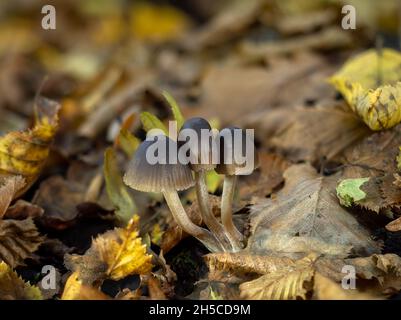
x: 207, y: 216
x: 233, y: 234
x: 180, y: 216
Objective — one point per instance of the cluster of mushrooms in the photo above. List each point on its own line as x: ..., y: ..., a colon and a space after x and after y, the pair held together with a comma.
x: 169, y: 178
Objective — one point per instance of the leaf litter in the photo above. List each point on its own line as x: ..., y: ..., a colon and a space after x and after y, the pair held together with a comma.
x: 324, y: 104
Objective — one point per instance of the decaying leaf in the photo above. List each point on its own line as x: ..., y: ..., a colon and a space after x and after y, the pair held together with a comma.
x: 74, y: 289
x: 116, y: 189
x: 14, y: 288
x: 287, y: 283
x: 348, y: 191
x: 308, y: 133
x: 307, y: 214
x: 115, y: 255
x: 24, y: 153
x: 370, y: 84
x: 59, y: 199
x: 18, y: 240
x: 9, y: 188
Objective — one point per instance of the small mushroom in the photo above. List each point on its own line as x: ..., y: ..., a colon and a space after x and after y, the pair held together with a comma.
x: 192, y: 133
x: 231, y: 150
x: 167, y: 176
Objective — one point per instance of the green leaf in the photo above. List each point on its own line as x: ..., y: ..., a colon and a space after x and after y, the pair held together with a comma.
x: 116, y: 189
x: 348, y: 191
x: 128, y: 142
x: 213, y: 181
x: 150, y: 121
x: 175, y: 109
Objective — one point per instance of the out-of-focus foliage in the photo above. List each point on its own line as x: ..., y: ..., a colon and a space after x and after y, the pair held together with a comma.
x: 370, y: 84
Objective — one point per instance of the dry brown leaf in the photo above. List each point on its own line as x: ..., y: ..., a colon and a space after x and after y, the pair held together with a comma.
x: 155, y: 290
x: 288, y: 283
x: 228, y: 24
x: 308, y: 133
x: 8, y: 190
x: 242, y: 263
x: 373, y: 156
x: 326, y: 289
x: 254, y: 87
x: 394, y: 226
x: 59, y: 198
x: 22, y: 209
x: 18, y: 240
x: 265, y: 179
x: 14, y: 288
x: 307, y: 214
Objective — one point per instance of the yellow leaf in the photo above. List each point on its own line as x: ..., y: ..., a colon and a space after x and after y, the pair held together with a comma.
x: 75, y: 290
x: 123, y: 252
x: 14, y: 288
x: 156, y: 234
x: 370, y: 83
x: 150, y: 121
x: 128, y: 142
x: 116, y: 189
x: 157, y: 23
x: 24, y: 153
x: 175, y: 109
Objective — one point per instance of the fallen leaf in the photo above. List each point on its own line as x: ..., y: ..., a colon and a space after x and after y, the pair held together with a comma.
x: 18, y: 240
x: 22, y: 209
x: 14, y: 288
x: 349, y: 191
x: 8, y: 190
x: 150, y: 121
x: 75, y: 290
x: 370, y: 84
x: 59, y: 199
x: 308, y: 134
x: 306, y: 213
x: 114, y: 255
x: 288, y: 283
x: 24, y: 153
x: 116, y: 189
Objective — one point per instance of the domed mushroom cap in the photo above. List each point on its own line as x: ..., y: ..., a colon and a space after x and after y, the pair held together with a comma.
x: 202, y: 146
x: 145, y: 175
x: 237, y: 157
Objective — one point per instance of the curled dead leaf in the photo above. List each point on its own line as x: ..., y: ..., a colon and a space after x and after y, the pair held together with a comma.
x: 18, y: 240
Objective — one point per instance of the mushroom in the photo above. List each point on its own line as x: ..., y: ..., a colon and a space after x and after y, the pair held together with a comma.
x: 155, y: 169
x: 230, y: 151
x: 200, y: 162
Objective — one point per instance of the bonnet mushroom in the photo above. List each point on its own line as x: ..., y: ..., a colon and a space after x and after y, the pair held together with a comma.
x: 237, y: 157
x: 199, y: 140
x: 168, y: 176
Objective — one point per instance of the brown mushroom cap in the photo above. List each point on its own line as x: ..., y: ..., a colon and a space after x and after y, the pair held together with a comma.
x: 228, y: 152
x: 144, y: 176
x: 199, y: 147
